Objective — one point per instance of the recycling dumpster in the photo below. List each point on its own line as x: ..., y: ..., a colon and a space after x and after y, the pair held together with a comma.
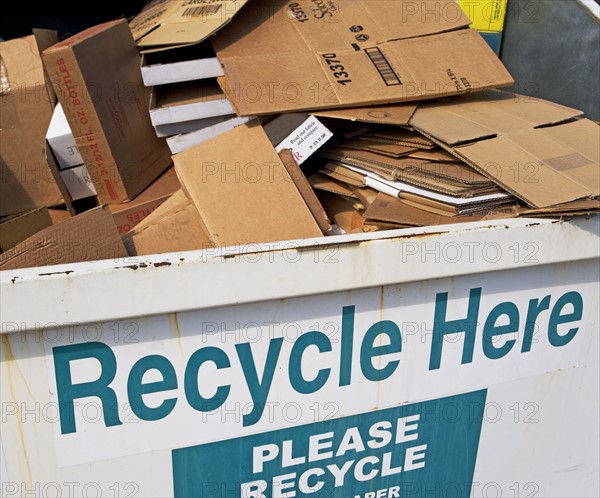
x: 443, y: 361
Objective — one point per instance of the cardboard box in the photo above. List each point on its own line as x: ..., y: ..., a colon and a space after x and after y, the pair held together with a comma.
x: 165, y: 24
x: 78, y: 182
x: 187, y: 102
x: 97, y: 78
x: 128, y: 214
x: 532, y: 148
x: 90, y: 236
x: 241, y: 190
x: 174, y: 226
x: 61, y: 140
x: 196, y: 62
x: 25, y: 113
x: 316, y: 55
x: 16, y: 229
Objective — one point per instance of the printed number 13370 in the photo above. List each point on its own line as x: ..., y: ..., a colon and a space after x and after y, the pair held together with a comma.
x: 339, y: 71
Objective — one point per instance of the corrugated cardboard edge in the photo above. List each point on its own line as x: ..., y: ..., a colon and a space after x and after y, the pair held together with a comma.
x: 90, y: 236
x: 306, y: 191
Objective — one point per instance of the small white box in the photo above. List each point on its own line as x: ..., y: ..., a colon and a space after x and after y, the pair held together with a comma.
x: 61, y: 140
x: 78, y: 182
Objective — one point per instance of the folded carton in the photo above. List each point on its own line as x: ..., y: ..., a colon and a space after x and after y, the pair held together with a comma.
x: 242, y: 191
x: 128, y: 214
x: 16, y: 229
x: 61, y: 140
x: 90, y: 236
x: 347, y: 53
x: 172, y: 23
x: 533, y: 148
x: 96, y: 75
x: 25, y: 112
x: 174, y: 226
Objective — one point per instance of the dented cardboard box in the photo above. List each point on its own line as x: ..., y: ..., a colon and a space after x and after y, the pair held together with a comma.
x: 96, y: 75
x: 25, y: 111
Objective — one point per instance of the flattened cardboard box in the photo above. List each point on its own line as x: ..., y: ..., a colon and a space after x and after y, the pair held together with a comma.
x: 530, y: 147
x: 168, y: 24
x: 90, y: 236
x: 97, y: 78
x: 25, y: 113
x: 242, y: 190
x: 348, y: 53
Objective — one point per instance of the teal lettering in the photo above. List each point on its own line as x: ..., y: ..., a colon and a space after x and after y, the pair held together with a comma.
x: 259, y: 390
x: 442, y: 328
x: 136, y: 389
x: 346, y: 349
x: 557, y: 318
x: 491, y: 330
x: 368, y: 350
x: 299, y: 383
x: 190, y: 382
x: 68, y: 392
x: 533, y: 311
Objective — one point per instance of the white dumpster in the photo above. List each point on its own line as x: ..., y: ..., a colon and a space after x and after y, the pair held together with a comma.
x: 447, y: 361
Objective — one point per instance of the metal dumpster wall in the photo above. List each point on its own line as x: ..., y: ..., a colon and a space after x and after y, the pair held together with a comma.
x: 520, y: 422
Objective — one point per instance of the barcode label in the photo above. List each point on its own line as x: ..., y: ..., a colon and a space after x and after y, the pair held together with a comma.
x: 383, y: 66
x: 206, y: 10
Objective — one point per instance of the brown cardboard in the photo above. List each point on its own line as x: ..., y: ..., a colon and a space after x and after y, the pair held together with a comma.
x: 242, y: 190
x: 305, y: 189
x: 128, y: 214
x: 97, y: 78
x: 320, y: 181
x: 90, y: 236
x: 174, y: 226
x: 16, y: 229
x: 397, y: 114
x: 59, y: 214
x: 171, y: 23
x: 392, y: 209
x: 528, y: 146
x: 25, y: 112
x: 351, y: 53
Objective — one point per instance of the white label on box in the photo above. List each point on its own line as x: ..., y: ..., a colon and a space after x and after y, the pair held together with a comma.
x: 78, y: 182
x: 309, y: 137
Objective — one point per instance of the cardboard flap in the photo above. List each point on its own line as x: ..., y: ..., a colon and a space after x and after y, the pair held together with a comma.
x: 90, y: 236
x: 539, y: 167
x: 242, y: 191
x: 319, y: 55
x: 486, y: 116
x: 398, y: 114
x: 179, y: 22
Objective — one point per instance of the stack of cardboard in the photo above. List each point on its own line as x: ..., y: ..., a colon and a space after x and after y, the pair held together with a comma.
x: 187, y: 105
x: 371, y: 116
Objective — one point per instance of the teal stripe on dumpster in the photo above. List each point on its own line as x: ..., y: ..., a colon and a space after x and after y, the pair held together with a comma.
x: 421, y: 449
